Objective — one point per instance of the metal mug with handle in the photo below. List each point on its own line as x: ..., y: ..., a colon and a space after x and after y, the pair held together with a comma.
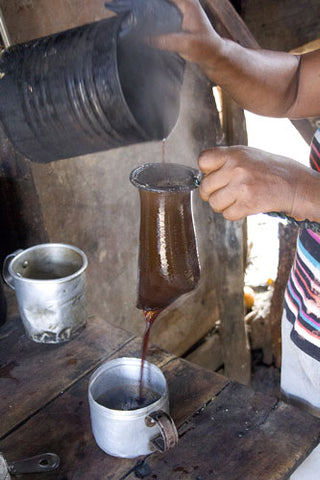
x: 127, y: 428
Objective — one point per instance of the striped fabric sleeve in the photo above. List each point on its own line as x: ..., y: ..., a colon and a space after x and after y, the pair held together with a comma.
x: 302, y: 296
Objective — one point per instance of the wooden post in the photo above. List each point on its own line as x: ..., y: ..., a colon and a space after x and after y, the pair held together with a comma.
x: 236, y: 353
x: 237, y: 358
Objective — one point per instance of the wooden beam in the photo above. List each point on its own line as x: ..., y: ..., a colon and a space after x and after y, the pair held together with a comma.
x: 229, y: 23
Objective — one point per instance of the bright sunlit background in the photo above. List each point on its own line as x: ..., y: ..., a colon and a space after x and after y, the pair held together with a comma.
x: 277, y: 136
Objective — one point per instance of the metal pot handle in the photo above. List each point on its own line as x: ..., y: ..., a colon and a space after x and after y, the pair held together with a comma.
x: 45, y: 462
x: 5, y: 268
x: 168, y: 437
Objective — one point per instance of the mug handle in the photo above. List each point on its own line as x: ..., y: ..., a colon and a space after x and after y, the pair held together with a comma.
x: 7, y: 277
x: 168, y: 437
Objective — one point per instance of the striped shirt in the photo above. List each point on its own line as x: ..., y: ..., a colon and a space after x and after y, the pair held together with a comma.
x: 302, y: 296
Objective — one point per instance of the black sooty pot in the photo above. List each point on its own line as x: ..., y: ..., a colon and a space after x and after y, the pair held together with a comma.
x: 95, y: 87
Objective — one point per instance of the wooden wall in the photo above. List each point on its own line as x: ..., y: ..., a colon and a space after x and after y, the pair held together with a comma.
x: 89, y: 202
x: 282, y: 25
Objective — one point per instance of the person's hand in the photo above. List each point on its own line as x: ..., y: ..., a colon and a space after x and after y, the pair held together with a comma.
x: 197, y: 42
x: 241, y: 181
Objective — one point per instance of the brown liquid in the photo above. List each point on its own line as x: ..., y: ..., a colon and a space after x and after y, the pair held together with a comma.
x: 163, y: 158
x: 127, y: 397
x: 168, y: 258
x: 150, y: 317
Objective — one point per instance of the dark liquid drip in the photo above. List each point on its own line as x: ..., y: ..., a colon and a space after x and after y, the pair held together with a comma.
x: 163, y: 149
x: 150, y: 317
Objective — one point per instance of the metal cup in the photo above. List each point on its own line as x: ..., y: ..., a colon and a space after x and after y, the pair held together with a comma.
x: 50, y: 285
x: 126, y: 431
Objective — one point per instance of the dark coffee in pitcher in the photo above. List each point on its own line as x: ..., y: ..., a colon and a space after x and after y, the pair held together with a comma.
x: 168, y: 257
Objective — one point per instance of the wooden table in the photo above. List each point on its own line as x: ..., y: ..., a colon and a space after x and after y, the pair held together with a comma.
x: 227, y: 431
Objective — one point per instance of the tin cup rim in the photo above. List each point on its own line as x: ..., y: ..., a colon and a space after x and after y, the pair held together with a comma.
x: 126, y: 413
x: 20, y: 254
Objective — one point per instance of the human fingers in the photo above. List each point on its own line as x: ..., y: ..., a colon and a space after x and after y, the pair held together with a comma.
x: 212, y: 159
x: 213, y: 182
x: 172, y: 42
x: 222, y: 199
x: 181, y: 4
x: 210, y: 163
x: 194, y: 21
x: 231, y: 205
x: 186, y: 5
x: 234, y: 213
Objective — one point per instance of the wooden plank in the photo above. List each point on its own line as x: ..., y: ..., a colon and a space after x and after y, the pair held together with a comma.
x: 237, y: 365
x: 24, y: 25
x: 236, y: 352
x: 33, y: 374
x: 208, y: 354
x: 63, y: 426
x: 229, y: 23
x: 190, y: 388
x: 282, y: 26
x: 154, y: 354
x: 239, y: 435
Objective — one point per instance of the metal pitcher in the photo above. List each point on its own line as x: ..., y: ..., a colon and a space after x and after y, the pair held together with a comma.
x: 168, y: 257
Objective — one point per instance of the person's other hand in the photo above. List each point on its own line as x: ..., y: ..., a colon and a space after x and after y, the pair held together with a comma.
x: 240, y: 181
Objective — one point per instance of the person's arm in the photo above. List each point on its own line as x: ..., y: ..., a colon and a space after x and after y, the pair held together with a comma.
x: 268, y: 83
x: 241, y: 181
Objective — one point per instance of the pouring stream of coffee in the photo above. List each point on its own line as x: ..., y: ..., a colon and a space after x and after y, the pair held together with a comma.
x: 168, y: 257
x: 151, y: 315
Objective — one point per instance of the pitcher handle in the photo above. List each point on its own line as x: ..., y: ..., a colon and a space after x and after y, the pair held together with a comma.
x: 7, y: 277
x: 168, y: 437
